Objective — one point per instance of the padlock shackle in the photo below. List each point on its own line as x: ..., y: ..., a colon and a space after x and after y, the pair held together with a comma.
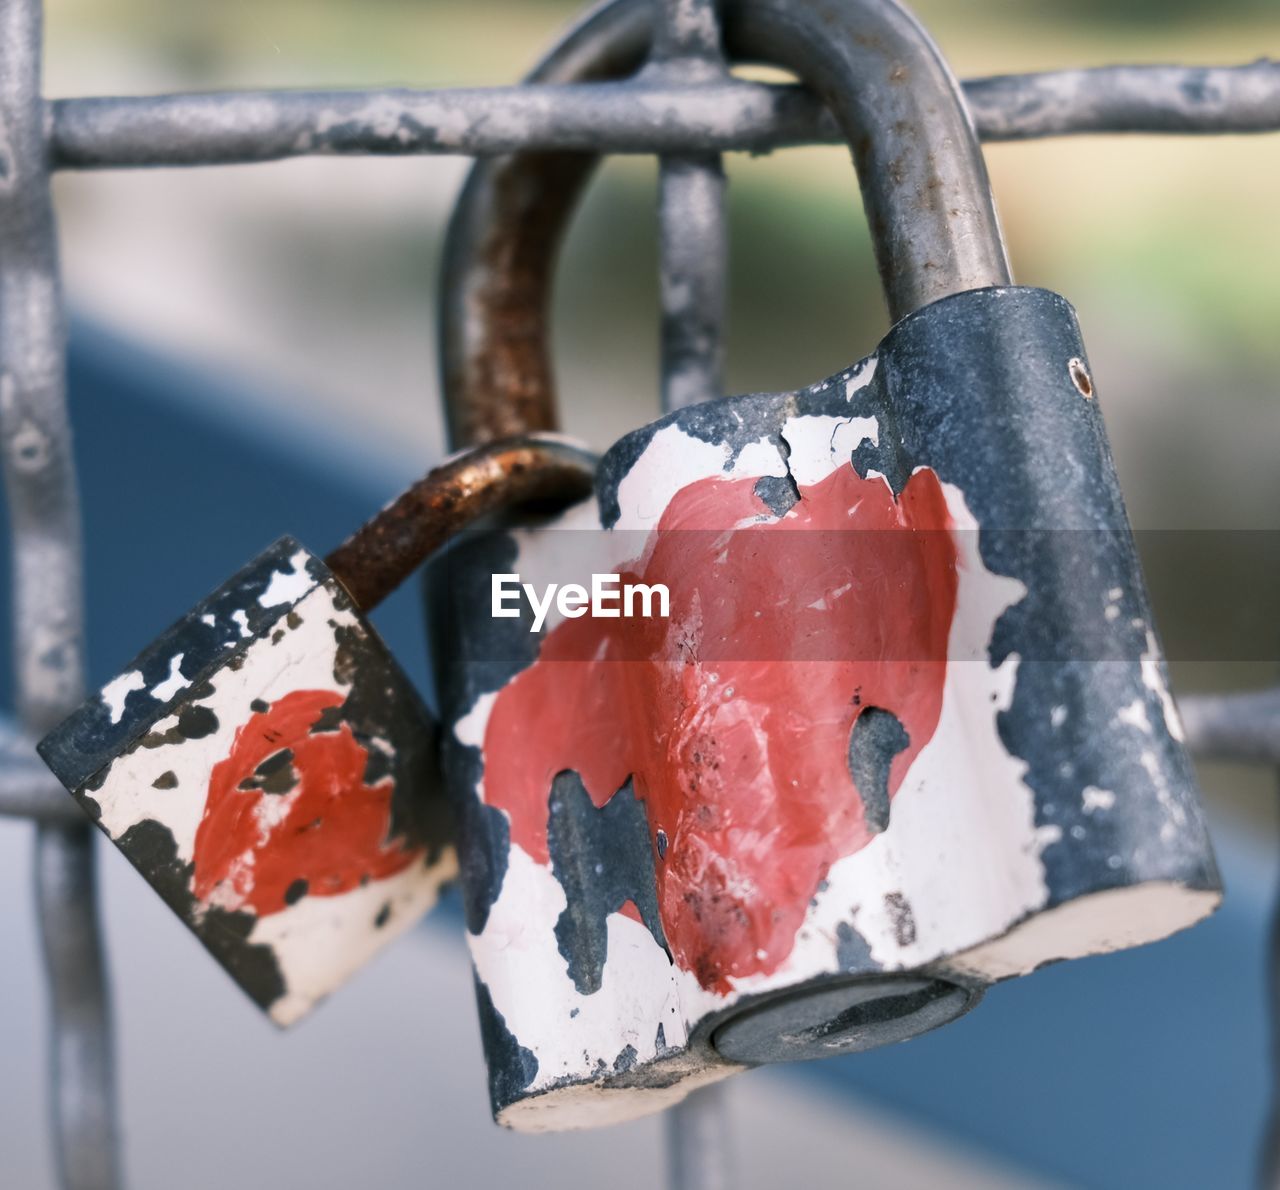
x: 498, y: 476
x: 919, y: 162
x: 924, y: 180
x: 500, y: 249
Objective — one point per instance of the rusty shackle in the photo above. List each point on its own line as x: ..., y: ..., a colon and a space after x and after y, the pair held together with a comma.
x: 927, y: 197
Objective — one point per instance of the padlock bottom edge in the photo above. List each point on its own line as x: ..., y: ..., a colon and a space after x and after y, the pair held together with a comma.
x: 831, y: 1019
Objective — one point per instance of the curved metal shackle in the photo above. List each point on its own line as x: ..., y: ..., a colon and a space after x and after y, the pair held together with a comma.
x: 923, y: 178
x: 497, y: 476
x: 501, y: 245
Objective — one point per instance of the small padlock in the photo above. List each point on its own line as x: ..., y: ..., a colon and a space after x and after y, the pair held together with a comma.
x: 906, y: 730
x: 265, y: 763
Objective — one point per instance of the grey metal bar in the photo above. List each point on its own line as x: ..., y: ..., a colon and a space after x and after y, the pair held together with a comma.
x: 27, y: 788
x: 85, y: 1129
x: 694, y: 246
x: 44, y: 519
x: 235, y: 127
x: 695, y: 266
x: 28, y: 791
x: 1243, y: 727
x: 227, y: 128
x: 1161, y: 99
x: 698, y: 1142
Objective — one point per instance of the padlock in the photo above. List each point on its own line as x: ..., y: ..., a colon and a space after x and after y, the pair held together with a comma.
x: 267, y: 766
x: 906, y: 731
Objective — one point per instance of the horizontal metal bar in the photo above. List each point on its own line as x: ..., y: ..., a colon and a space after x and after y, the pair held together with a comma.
x: 27, y: 788
x: 1242, y: 727
x: 1108, y: 99
x: 624, y: 117
x: 28, y: 791
x: 636, y: 116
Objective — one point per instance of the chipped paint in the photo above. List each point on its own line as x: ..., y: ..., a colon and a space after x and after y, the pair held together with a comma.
x: 173, y: 683
x: 269, y: 788
x: 286, y: 586
x: 116, y: 692
x: 1003, y: 837
x: 1153, y: 676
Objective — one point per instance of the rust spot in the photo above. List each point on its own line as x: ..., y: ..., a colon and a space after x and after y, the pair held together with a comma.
x: 504, y: 384
x: 901, y: 918
x: 1080, y: 377
x: 520, y: 471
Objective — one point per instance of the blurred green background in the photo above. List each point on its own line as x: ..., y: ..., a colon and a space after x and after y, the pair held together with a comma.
x: 314, y: 279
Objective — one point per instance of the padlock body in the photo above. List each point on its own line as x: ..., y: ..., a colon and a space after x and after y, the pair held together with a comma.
x: 266, y: 766
x: 906, y: 730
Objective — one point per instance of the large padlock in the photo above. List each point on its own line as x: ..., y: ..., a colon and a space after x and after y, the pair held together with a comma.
x: 906, y: 730
x: 265, y: 763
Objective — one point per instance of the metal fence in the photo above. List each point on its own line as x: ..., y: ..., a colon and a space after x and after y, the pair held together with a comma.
x: 687, y: 108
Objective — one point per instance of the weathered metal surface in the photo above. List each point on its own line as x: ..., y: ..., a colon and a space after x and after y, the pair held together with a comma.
x: 906, y: 731
x: 920, y: 169
x: 270, y: 771
x: 595, y: 806
x: 500, y: 248
x: 225, y: 128
x: 378, y: 557
x: 932, y: 218
x: 1128, y: 99
x: 48, y: 606
x: 693, y: 237
x: 27, y: 788
x: 182, y: 129
x: 1242, y: 727
x: 265, y: 763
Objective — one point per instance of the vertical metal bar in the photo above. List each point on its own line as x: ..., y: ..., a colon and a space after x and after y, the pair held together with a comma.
x: 44, y: 519
x: 694, y: 243
x: 694, y: 260
x: 695, y: 263
x: 698, y: 1156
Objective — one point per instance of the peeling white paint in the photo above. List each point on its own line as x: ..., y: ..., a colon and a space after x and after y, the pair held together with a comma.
x: 821, y: 444
x: 288, y: 586
x: 860, y: 378
x: 166, y: 689
x: 320, y: 940
x: 118, y: 689
x: 1153, y: 679
x: 963, y: 851
x: 1135, y: 715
